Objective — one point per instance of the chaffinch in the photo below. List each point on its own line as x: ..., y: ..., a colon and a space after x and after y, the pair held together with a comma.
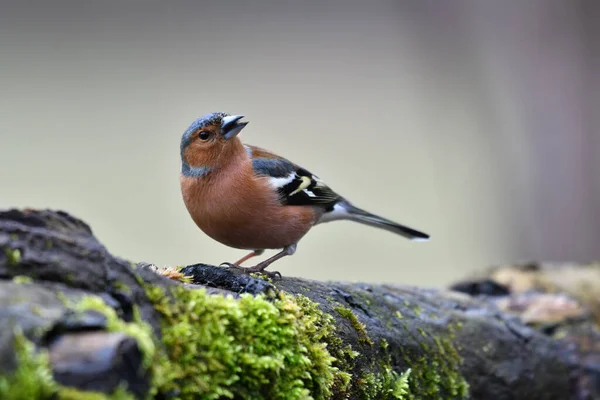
x: 249, y: 198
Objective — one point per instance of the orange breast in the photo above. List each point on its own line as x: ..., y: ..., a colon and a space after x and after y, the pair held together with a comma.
x: 238, y: 209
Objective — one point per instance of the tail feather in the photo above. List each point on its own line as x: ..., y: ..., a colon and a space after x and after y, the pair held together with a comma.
x: 345, y: 210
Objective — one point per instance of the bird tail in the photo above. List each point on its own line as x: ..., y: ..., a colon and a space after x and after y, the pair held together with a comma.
x: 345, y: 210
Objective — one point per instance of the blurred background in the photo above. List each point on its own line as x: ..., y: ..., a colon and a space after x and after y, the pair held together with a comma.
x: 474, y: 121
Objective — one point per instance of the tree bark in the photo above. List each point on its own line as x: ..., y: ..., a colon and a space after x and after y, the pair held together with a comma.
x: 456, y: 345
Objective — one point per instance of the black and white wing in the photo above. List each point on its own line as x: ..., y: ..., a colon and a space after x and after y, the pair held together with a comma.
x: 299, y: 187
x: 295, y: 185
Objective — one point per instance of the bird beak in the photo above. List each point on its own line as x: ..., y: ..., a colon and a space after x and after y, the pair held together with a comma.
x: 230, y: 126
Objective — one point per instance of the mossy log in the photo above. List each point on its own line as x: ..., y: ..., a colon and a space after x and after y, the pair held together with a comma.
x: 77, y: 322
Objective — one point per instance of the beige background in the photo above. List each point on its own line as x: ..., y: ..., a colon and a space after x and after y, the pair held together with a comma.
x: 476, y: 122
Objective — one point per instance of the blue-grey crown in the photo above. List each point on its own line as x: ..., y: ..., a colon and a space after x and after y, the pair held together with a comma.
x: 205, y: 120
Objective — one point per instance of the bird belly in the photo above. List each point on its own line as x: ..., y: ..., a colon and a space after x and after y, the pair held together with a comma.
x: 249, y: 222
x: 266, y: 232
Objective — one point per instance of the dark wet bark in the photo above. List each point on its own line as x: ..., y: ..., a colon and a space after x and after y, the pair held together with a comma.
x: 443, y: 335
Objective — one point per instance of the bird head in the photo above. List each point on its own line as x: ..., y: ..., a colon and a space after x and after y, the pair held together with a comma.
x: 207, y: 140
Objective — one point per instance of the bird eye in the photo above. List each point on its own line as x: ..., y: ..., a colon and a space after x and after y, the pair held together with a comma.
x: 203, y: 135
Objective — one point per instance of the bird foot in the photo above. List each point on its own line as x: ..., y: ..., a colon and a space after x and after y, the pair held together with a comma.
x: 256, y: 269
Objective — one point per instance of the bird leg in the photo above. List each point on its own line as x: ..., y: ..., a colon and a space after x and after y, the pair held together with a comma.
x: 249, y: 256
x: 260, y: 267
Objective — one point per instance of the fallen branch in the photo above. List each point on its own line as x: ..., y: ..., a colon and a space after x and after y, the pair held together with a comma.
x: 75, y: 318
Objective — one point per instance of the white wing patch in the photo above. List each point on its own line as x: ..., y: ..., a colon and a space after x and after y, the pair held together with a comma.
x: 298, y: 187
x: 305, y: 182
x: 277, y: 183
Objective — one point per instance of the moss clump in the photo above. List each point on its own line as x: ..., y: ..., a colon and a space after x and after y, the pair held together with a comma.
x: 22, y: 279
x: 387, y: 385
x: 347, y: 313
x: 251, y: 347
x: 278, y: 347
x: 75, y: 394
x: 383, y: 344
x: 13, y: 256
x: 264, y: 277
x: 401, y: 388
x: 342, y: 353
x: 118, y: 285
x: 437, y: 376
x: 32, y: 378
x: 435, y: 369
x: 417, y: 310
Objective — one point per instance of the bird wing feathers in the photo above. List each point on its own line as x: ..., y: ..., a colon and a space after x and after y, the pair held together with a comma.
x: 294, y: 184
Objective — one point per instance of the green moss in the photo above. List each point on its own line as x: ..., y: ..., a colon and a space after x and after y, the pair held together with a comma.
x: 383, y: 344
x: 454, y: 327
x: 347, y: 313
x: 283, y: 347
x: 401, y: 388
x: 437, y: 375
x: 22, y: 279
x: 436, y: 369
x: 70, y: 277
x: 387, y: 385
x: 68, y: 393
x: 32, y: 379
x: 382, y: 382
x: 251, y: 347
x: 60, y: 296
x: 37, y: 310
x: 13, y: 256
x: 417, y: 310
x: 258, y: 275
x: 122, y: 287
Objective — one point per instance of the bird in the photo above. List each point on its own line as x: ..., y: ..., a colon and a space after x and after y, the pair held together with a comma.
x: 246, y: 197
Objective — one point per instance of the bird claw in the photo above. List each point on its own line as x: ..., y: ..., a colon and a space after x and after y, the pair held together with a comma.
x: 271, y: 274
x: 250, y: 270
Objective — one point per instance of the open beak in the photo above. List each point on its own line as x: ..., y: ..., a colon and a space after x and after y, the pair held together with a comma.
x: 231, y: 126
